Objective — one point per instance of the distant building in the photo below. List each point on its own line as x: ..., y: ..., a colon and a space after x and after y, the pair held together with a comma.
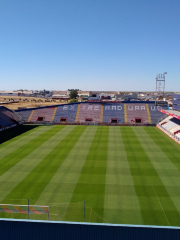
x: 9, y: 93
x: 94, y: 96
x: 60, y: 96
x: 104, y: 96
x: 130, y: 97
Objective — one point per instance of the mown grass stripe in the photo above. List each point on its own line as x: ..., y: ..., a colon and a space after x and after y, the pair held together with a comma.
x: 91, y: 183
x: 121, y: 204
x: 10, y: 179
x: 14, y: 157
x: 144, y: 176
x: 19, y: 141
x: 59, y: 191
x: 165, y: 167
x: 41, y: 175
x: 91, y: 167
x: 147, y: 180
x: 170, y: 148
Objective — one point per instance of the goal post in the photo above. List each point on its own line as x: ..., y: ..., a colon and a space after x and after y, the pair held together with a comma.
x: 25, y: 209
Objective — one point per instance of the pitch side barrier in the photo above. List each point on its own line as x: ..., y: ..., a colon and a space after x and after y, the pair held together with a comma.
x: 91, y: 124
x: 31, y: 229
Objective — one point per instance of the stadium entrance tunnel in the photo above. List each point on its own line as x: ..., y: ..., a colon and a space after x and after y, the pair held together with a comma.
x: 88, y: 120
x: 114, y: 120
x: 40, y: 119
x: 138, y: 120
x: 63, y: 120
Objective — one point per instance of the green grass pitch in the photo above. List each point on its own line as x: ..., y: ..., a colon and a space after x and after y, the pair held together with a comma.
x: 125, y: 175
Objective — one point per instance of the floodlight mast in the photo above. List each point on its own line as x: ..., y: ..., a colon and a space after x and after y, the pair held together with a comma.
x: 160, y: 84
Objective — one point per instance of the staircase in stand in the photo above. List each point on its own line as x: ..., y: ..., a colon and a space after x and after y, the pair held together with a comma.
x: 101, y: 117
x: 54, y: 113
x: 18, y: 116
x: 77, y: 113
x: 125, y: 113
x: 149, y: 116
x: 29, y: 119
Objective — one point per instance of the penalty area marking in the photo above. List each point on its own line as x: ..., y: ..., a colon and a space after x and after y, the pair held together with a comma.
x: 161, y: 206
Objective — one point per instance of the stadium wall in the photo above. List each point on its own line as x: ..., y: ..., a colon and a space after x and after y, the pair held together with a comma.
x: 36, y: 230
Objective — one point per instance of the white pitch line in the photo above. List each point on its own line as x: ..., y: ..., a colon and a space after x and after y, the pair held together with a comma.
x: 65, y: 203
x: 161, y: 206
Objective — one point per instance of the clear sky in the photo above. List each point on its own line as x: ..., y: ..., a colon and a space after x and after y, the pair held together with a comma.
x: 89, y: 44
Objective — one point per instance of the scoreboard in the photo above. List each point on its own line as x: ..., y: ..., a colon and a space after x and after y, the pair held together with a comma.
x: 161, y: 103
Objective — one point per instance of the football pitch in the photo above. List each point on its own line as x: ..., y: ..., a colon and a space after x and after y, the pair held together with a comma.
x: 105, y: 174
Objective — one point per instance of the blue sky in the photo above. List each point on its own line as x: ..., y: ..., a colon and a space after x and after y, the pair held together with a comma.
x: 117, y: 45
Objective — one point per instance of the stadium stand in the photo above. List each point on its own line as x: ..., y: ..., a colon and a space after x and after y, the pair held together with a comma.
x: 7, y: 118
x: 171, y: 124
x: 137, y: 113
x: 24, y: 114
x: 165, y: 120
x: 173, y: 113
x: 66, y: 113
x: 89, y: 112
x: 156, y: 116
x: 43, y: 114
x: 11, y: 115
x: 104, y: 112
x: 176, y: 102
x: 113, y: 113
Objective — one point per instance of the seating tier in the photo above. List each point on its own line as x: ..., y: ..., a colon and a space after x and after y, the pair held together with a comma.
x: 7, y: 117
x: 66, y: 111
x: 136, y: 111
x: 46, y: 113
x: 90, y: 111
x: 113, y: 111
x: 25, y: 114
x: 156, y: 115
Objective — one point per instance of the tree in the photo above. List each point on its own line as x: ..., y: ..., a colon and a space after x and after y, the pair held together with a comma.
x: 73, y: 100
x: 73, y: 94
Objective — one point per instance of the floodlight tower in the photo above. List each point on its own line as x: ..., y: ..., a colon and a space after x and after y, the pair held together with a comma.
x: 160, y: 84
